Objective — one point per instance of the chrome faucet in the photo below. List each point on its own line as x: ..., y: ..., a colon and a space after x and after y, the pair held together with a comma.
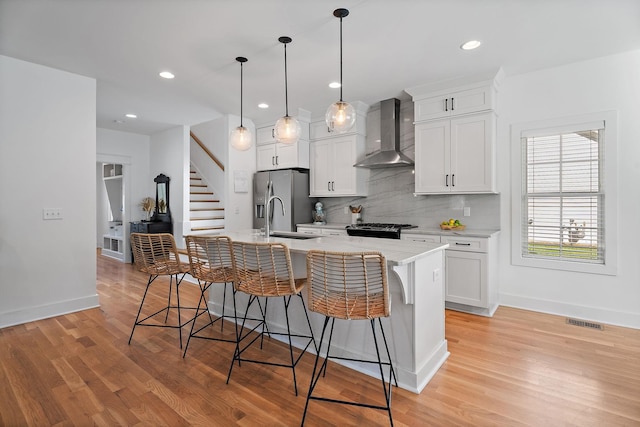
x: 268, y: 199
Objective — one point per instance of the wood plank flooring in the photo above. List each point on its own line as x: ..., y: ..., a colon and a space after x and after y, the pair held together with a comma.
x: 517, y: 368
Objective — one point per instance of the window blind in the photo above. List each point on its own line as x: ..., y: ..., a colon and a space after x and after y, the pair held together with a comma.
x: 563, y: 198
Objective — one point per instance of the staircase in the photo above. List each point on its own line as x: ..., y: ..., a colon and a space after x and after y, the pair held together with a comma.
x: 206, y: 211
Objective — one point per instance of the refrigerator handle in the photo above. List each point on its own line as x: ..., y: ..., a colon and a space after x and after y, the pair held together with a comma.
x: 268, y: 193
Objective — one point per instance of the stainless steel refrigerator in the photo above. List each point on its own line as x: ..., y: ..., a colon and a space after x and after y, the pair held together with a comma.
x: 292, y: 186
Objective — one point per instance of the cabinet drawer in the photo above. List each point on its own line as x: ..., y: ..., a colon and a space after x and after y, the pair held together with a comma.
x: 309, y: 230
x: 427, y: 238
x: 469, y: 244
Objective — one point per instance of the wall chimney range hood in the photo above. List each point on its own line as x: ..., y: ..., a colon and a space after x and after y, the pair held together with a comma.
x: 389, y: 155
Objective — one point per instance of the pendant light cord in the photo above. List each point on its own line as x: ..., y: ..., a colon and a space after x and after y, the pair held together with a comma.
x: 286, y: 91
x: 341, y: 59
x: 241, y: 94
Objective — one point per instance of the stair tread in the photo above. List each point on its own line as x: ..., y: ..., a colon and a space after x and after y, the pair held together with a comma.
x: 207, y: 228
x: 208, y: 218
x: 206, y: 209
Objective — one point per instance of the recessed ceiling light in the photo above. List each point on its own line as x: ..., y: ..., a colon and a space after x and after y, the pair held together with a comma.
x: 131, y: 116
x: 334, y: 85
x: 263, y: 105
x: 470, y: 45
x: 167, y: 75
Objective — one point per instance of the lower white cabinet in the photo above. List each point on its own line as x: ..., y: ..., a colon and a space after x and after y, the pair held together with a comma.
x: 112, y: 246
x: 323, y: 231
x: 470, y: 272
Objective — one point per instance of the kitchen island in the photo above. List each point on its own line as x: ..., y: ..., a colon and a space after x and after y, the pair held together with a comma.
x: 415, y: 329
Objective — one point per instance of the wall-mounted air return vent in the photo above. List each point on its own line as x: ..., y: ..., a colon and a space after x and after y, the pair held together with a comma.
x: 585, y: 324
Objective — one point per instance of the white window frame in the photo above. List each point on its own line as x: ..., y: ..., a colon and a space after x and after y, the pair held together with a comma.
x: 610, y: 150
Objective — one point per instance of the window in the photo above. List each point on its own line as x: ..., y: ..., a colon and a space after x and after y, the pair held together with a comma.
x: 563, y: 219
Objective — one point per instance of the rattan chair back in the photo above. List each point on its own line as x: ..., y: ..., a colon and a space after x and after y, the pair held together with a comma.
x: 211, y: 258
x: 156, y: 254
x: 348, y: 285
x: 264, y: 269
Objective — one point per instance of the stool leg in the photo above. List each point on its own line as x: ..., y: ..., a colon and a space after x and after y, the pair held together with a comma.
x: 135, y: 323
x: 309, y: 323
x: 169, y: 300
x: 392, y: 371
x: 286, y: 301
x: 203, y: 288
x: 314, y: 377
x: 387, y: 395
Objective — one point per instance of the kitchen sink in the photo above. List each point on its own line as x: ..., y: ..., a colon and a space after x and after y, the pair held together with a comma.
x: 293, y: 235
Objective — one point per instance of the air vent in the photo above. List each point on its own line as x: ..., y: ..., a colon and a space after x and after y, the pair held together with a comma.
x: 584, y: 324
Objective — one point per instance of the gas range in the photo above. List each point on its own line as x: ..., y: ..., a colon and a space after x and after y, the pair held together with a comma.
x: 381, y: 230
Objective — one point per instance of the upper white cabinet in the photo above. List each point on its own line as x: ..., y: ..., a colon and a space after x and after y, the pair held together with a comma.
x: 277, y: 155
x: 271, y: 154
x: 455, y: 137
x: 332, y: 173
x: 455, y: 103
x: 332, y: 156
x: 456, y: 155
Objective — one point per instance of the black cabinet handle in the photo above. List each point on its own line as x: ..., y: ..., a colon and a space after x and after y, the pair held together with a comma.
x: 463, y: 244
x: 328, y: 185
x: 273, y: 133
x: 446, y: 180
x: 273, y: 160
x: 333, y: 186
x: 277, y: 160
x: 446, y: 104
x: 452, y: 104
x: 453, y: 180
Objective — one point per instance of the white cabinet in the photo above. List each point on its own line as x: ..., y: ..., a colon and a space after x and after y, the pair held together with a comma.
x: 456, y: 155
x: 330, y: 231
x: 425, y: 238
x: 271, y: 154
x: 332, y: 173
x: 470, y: 274
x: 446, y: 104
x: 470, y: 271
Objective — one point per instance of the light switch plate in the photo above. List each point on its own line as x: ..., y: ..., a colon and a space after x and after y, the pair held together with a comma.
x: 51, y: 213
x: 467, y: 211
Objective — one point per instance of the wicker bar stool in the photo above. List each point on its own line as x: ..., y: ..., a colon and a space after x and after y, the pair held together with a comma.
x: 350, y: 286
x: 211, y: 261
x: 157, y: 255
x: 264, y: 270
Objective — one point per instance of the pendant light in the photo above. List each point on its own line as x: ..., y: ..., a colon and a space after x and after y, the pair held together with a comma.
x: 241, y: 136
x: 340, y: 116
x: 287, y: 128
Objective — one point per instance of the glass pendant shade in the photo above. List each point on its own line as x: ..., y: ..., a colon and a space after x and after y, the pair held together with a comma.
x: 340, y: 117
x: 288, y: 130
x: 241, y: 138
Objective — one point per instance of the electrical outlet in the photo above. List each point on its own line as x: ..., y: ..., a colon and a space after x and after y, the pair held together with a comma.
x: 51, y: 213
x: 346, y: 210
x: 467, y: 211
x: 436, y: 274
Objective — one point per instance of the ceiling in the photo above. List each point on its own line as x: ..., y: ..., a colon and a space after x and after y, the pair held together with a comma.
x: 388, y: 46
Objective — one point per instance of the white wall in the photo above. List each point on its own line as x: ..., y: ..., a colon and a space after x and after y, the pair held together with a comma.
x: 239, y: 206
x: 610, y: 83
x: 47, y: 160
x: 170, y: 156
x: 215, y: 135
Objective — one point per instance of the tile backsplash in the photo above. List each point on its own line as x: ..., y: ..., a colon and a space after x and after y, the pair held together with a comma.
x: 391, y: 197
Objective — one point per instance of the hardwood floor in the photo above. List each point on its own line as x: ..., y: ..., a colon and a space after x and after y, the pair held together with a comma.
x: 517, y: 368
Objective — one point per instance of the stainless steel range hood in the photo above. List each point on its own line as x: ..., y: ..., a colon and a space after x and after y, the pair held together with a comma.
x: 389, y: 155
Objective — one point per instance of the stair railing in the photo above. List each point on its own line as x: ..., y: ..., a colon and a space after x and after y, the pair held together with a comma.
x: 206, y: 150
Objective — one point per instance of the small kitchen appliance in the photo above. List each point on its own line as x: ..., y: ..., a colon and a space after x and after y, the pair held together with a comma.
x: 381, y: 230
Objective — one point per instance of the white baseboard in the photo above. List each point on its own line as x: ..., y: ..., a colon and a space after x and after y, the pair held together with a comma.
x: 30, y: 314
x: 595, y: 314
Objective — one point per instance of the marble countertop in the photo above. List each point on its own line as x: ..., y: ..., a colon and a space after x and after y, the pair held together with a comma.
x: 420, y: 230
x: 397, y: 252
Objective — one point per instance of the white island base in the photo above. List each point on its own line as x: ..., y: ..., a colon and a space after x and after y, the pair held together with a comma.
x: 415, y: 329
